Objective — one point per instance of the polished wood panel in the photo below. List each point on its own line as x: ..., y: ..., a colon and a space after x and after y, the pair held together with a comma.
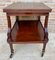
x: 28, y: 31
x: 27, y: 7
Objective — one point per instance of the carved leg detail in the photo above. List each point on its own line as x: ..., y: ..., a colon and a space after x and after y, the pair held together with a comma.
x: 12, y: 51
x: 43, y: 50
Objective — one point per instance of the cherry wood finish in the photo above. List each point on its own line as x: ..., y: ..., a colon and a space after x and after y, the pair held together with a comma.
x: 27, y: 7
x: 27, y: 31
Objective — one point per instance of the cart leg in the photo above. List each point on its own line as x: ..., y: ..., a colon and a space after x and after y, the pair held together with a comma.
x: 43, y: 50
x: 9, y: 35
x: 12, y: 51
x: 46, y: 34
x: 10, y: 44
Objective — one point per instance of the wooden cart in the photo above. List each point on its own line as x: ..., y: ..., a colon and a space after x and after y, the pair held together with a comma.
x: 27, y: 31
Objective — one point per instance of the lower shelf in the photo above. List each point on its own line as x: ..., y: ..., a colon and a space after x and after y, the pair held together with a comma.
x: 27, y: 32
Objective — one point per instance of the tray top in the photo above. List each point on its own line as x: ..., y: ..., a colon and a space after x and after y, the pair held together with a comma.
x: 27, y: 6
